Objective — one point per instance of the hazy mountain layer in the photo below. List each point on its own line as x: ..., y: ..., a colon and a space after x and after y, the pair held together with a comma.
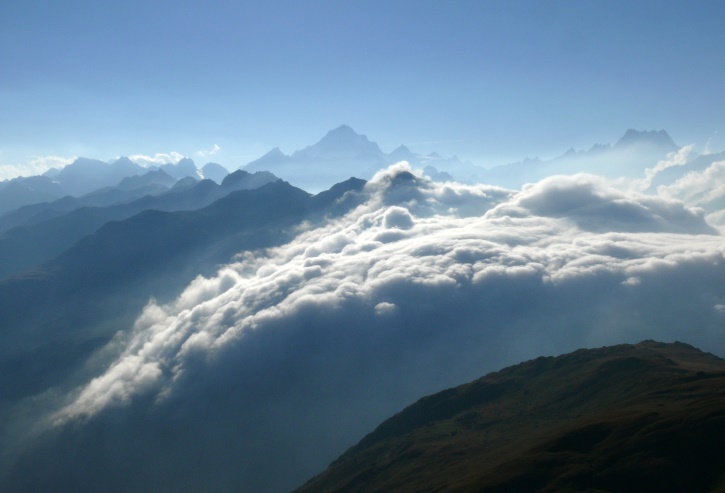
x: 90, y: 176
x: 258, y: 375
x: 343, y: 153
x: 90, y: 291
x: 23, y: 247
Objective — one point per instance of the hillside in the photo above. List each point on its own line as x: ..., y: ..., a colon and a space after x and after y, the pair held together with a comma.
x: 645, y: 417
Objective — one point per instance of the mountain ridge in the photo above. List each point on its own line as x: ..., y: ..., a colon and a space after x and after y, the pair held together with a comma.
x: 649, y: 411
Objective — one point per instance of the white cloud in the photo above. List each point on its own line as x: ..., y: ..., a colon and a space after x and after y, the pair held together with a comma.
x: 207, y: 153
x: 36, y: 166
x: 592, y: 205
x: 421, y: 287
x: 159, y: 158
x: 698, y: 188
x: 678, y: 158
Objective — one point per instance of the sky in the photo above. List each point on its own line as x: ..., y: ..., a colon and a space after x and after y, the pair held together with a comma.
x: 492, y: 82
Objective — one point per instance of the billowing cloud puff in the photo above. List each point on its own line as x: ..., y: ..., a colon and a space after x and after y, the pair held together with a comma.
x: 206, y: 153
x: 159, y: 158
x: 678, y: 158
x: 593, y: 206
x: 699, y: 188
x: 288, y: 356
x: 36, y: 166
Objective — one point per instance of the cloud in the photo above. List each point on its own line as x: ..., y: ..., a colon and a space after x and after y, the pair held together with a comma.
x: 207, y: 153
x: 698, y: 187
x: 592, y: 205
x: 259, y: 376
x: 36, y: 166
x: 159, y: 158
x: 678, y: 158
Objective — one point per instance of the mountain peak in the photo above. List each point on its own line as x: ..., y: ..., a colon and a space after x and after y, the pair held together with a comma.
x: 185, y: 162
x: 342, y: 141
x: 275, y: 153
x: 124, y: 161
x: 343, y: 131
x: 656, y: 138
x: 343, y: 134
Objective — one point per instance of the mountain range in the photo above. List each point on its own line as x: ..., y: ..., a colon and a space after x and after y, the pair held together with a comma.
x: 96, y: 286
x: 101, y: 183
x: 340, y: 154
x: 35, y: 233
x: 648, y: 417
x: 167, y: 331
x: 628, y: 157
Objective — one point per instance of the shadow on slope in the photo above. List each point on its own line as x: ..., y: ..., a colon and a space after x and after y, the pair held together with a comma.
x: 57, y: 315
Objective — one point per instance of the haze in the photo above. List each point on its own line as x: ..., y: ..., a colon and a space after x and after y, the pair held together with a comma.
x: 492, y: 82
x: 235, y: 238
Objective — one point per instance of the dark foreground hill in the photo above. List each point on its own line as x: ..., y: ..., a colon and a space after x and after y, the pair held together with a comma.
x: 645, y: 417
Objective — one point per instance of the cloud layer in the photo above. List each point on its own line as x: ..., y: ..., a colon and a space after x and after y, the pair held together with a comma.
x: 36, y: 166
x: 258, y: 377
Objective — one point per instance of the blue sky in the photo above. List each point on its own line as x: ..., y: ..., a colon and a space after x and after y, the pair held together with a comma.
x: 490, y: 81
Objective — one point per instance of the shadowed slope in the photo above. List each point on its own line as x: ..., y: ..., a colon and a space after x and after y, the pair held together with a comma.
x: 648, y: 417
x: 99, y: 285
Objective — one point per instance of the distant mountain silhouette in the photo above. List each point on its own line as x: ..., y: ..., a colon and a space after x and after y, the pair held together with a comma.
x: 342, y: 142
x: 150, y: 178
x: 660, y: 140
x: 214, y: 171
x: 22, y: 191
x: 630, y: 418
x: 25, y: 246
x: 153, y: 182
x: 184, y: 168
x: 90, y: 176
x: 633, y: 152
x: 342, y: 153
x: 86, y: 175
x: 244, y: 180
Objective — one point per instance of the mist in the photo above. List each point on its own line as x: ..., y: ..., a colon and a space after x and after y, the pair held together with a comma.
x: 254, y: 379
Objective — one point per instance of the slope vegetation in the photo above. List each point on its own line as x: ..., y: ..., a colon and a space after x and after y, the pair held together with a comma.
x: 645, y: 417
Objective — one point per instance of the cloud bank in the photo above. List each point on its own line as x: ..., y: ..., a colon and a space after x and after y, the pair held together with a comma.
x: 207, y: 153
x: 698, y: 188
x: 256, y: 378
x: 159, y: 158
x: 36, y: 166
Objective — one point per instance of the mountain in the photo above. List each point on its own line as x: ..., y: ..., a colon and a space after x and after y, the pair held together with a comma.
x: 343, y: 153
x: 339, y: 155
x: 341, y: 142
x: 658, y: 140
x: 628, y: 157
x: 86, y: 175
x: 153, y: 182
x: 645, y: 417
x: 214, y: 171
x: 90, y: 176
x: 100, y: 284
x: 25, y: 246
x: 22, y: 191
x: 242, y: 180
x: 150, y: 178
x: 184, y: 168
